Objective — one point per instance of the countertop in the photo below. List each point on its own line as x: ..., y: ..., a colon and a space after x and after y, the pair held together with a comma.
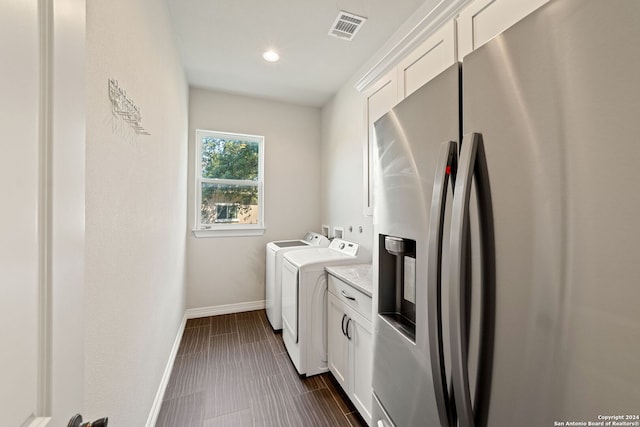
x: 358, y: 276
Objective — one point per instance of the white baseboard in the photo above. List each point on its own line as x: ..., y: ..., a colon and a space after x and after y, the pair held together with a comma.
x: 215, y: 310
x: 157, y: 402
x: 40, y: 422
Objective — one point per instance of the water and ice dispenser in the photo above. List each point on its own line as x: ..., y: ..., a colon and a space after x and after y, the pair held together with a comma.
x: 397, y: 283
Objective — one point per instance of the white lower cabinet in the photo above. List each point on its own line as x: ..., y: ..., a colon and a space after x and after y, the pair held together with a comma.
x: 361, y: 339
x: 337, y: 342
x: 349, y: 348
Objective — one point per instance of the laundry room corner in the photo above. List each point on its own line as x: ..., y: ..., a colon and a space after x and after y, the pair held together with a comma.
x: 225, y: 272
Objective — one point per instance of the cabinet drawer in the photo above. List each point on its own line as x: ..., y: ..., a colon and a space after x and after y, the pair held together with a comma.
x: 351, y: 296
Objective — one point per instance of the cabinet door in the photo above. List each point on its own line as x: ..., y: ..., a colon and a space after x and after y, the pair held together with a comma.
x: 379, y: 99
x: 382, y: 96
x: 361, y: 364
x: 337, y: 343
x: 484, y: 19
x: 432, y: 57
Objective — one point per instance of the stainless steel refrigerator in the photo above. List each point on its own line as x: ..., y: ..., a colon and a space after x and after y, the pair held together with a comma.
x: 507, y: 259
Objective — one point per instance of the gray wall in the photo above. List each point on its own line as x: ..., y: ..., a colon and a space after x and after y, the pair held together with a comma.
x: 135, y: 209
x: 230, y: 270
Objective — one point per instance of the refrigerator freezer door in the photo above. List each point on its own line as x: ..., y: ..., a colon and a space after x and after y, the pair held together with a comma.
x: 408, y: 141
x: 558, y: 104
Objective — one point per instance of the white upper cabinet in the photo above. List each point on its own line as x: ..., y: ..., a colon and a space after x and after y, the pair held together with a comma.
x: 382, y: 96
x: 477, y: 23
x: 482, y: 20
x: 379, y: 98
x: 422, y: 64
x: 432, y: 57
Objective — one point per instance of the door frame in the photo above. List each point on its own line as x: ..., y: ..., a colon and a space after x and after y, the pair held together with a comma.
x: 61, y: 202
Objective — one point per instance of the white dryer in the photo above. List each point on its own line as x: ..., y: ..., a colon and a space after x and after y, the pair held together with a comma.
x: 304, y: 303
x: 275, y: 252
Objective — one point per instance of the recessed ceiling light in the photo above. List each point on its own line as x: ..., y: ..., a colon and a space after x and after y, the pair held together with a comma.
x: 271, y: 56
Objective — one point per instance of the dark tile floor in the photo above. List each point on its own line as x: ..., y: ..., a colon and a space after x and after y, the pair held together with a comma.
x: 233, y: 371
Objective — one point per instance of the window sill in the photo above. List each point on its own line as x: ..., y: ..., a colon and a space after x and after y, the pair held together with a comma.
x: 242, y: 232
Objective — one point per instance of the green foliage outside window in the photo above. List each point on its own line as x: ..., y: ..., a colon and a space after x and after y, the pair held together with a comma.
x: 229, y: 159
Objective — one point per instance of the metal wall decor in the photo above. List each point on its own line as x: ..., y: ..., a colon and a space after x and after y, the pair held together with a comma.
x: 124, y: 107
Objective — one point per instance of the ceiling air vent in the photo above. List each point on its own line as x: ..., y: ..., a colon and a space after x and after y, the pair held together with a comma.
x: 346, y: 25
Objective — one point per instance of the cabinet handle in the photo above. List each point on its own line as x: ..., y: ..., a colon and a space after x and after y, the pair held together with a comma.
x: 344, y: 316
x: 347, y: 296
x: 347, y: 328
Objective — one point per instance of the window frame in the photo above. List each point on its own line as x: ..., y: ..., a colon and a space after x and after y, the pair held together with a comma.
x: 225, y: 229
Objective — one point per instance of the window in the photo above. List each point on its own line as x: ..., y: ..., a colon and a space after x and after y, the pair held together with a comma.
x: 227, y: 212
x: 229, y: 184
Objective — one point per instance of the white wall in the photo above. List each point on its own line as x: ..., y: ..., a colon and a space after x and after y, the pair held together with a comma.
x: 343, y: 136
x: 230, y: 270
x: 135, y: 208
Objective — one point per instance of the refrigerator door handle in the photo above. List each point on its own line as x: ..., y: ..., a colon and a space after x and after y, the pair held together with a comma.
x: 445, y: 169
x: 472, y: 164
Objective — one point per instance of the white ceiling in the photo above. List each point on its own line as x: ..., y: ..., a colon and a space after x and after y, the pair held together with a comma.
x: 221, y: 44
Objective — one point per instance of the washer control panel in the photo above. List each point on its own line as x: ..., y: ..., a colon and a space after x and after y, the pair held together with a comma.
x: 344, y: 246
x: 316, y: 239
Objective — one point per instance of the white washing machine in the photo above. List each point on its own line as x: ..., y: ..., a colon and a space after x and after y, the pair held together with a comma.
x: 304, y: 303
x: 275, y: 252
